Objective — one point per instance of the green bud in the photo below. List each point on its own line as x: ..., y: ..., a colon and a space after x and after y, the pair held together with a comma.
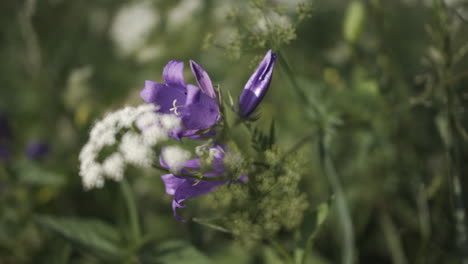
x: 354, y: 20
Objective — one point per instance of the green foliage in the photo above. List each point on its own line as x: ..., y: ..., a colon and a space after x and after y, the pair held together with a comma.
x: 92, y: 236
x: 269, y: 203
x: 179, y: 252
x: 366, y: 152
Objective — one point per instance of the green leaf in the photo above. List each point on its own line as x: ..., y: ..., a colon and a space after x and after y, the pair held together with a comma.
x: 180, y: 252
x: 33, y: 174
x: 93, y: 236
x: 270, y: 256
x: 321, y: 215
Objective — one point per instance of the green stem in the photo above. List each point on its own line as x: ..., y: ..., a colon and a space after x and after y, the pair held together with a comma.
x: 304, y: 99
x: 341, y: 203
x: 282, y: 251
x: 130, y: 202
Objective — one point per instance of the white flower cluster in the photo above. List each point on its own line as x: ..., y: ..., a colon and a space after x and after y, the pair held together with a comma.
x: 175, y: 157
x: 134, y: 148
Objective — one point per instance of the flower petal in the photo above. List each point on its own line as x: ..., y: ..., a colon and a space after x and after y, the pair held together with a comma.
x: 171, y: 183
x: 191, y: 188
x: 193, y: 94
x: 164, y: 96
x: 200, y: 116
x: 203, y: 79
x: 257, y: 85
x: 173, y: 73
x: 175, y: 205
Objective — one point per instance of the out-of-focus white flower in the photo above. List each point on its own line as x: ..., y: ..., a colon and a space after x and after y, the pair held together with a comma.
x: 114, y: 166
x: 183, y: 13
x: 175, y: 157
x: 132, y: 26
x: 150, y: 53
x: 274, y: 20
x: 134, y: 148
x: 77, y: 88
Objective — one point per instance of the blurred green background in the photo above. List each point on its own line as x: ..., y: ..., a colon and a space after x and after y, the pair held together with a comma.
x: 388, y: 77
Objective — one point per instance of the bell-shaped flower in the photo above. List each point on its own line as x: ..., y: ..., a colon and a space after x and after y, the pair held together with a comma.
x: 196, y: 106
x: 257, y: 86
x: 183, y: 188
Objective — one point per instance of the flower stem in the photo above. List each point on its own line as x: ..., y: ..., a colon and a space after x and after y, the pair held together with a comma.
x: 282, y: 251
x: 341, y: 203
x: 130, y: 202
x: 304, y: 99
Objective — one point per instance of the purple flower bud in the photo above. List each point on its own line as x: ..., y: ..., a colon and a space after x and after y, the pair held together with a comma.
x: 257, y: 86
x: 37, y: 150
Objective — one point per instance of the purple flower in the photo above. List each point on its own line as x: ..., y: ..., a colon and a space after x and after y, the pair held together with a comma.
x: 183, y: 188
x: 196, y: 106
x: 37, y: 150
x: 257, y: 85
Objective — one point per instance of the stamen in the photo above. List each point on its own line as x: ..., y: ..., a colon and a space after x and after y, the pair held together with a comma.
x: 175, y: 107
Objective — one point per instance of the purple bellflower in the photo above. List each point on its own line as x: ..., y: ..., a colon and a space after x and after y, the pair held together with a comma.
x: 37, y: 150
x: 257, y: 86
x: 183, y: 188
x: 196, y: 106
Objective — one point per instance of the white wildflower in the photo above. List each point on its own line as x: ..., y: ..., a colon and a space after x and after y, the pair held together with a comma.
x: 183, y: 13
x: 114, y: 166
x: 132, y: 25
x: 134, y: 148
x: 175, y: 157
x: 93, y: 177
x: 169, y: 122
x: 135, y: 151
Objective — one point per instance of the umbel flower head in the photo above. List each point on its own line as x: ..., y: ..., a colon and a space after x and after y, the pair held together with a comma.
x: 135, y: 148
x: 195, y: 106
x: 183, y: 188
x: 257, y: 86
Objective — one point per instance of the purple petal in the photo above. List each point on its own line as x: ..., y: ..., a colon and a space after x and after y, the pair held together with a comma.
x: 175, y: 205
x: 257, y: 85
x: 203, y: 79
x: 192, y: 188
x: 171, y: 183
x: 193, y: 94
x: 200, y: 116
x: 173, y: 73
x: 165, y: 96
x: 192, y: 164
